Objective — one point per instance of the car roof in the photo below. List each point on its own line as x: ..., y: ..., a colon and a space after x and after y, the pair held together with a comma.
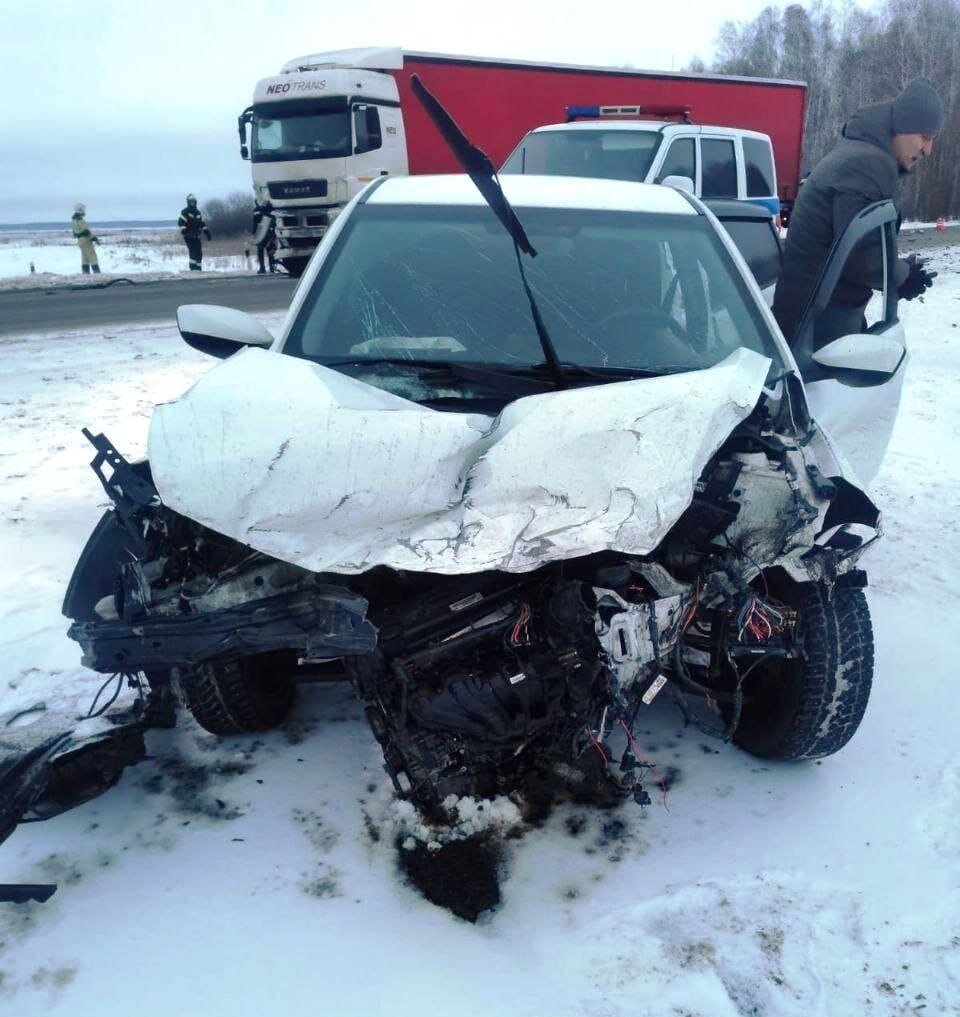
x: 529, y: 191
x: 608, y: 125
x: 667, y: 127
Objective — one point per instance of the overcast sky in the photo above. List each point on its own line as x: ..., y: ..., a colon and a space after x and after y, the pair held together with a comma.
x: 128, y: 106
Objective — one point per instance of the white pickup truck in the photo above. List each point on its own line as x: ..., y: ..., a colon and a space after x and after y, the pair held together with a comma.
x: 624, y: 143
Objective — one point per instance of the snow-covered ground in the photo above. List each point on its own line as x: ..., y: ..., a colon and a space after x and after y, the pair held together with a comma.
x: 55, y: 259
x: 259, y: 875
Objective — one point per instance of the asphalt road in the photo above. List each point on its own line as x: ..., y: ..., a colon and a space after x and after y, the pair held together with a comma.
x: 64, y: 308
x: 85, y: 306
x: 928, y: 239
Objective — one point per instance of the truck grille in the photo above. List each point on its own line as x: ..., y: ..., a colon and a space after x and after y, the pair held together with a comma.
x: 297, y: 189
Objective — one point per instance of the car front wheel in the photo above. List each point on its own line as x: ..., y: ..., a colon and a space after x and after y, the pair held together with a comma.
x: 234, y: 697
x: 810, y: 706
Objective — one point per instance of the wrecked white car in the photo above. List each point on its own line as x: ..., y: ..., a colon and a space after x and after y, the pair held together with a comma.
x: 511, y: 496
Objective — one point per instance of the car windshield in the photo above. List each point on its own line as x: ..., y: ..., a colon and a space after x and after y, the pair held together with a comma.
x: 645, y: 293
x: 611, y: 155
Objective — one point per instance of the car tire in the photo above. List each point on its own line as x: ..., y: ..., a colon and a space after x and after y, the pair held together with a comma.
x: 811, y: 706
x: 238, y: 696
x: 294, y: 266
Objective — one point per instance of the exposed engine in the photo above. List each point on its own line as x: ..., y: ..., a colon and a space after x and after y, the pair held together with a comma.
x: 492, y: 682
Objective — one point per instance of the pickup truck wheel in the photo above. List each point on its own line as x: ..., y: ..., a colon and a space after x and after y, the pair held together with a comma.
x: 810, y: 707
x: 237, y: 696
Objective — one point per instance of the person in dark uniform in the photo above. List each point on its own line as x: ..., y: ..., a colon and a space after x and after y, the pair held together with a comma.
x: 265, y: 235
x: 879, y: 144
x: 191, y: 225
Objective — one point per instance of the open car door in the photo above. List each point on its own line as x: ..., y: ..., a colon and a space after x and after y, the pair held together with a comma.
x: 752, y: 229
x: 854, y: 383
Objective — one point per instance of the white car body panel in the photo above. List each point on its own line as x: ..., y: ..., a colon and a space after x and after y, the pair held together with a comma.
x: 858, y: 421
x: 329, y: 473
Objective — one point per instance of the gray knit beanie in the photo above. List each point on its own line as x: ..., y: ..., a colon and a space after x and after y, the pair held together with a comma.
x: 917, y: 109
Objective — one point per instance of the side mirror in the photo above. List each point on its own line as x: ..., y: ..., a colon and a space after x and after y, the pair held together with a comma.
x: 680, y: 183
x: 880, y: 354
x: 244, y: 152
x: 220, y: 331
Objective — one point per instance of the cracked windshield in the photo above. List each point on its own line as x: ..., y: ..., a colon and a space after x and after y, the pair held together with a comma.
x: 617, y: 291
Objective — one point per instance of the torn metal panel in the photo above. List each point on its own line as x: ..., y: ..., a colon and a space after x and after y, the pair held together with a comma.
x: 331, y: 474
x: 635, y: 635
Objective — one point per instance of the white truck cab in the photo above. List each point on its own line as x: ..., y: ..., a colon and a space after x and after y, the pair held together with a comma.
x: 716, y: 162
x: 320, y: 130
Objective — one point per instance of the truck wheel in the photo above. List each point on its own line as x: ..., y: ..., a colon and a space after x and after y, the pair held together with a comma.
x: 294, y: 266
x: 234, y: 697
x: 810, y: 707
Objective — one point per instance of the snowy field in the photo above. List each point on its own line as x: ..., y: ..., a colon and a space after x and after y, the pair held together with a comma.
x: 259, y: 875
x: 145, y: 253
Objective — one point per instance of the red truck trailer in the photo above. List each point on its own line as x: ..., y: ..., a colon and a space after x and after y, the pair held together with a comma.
x: 496, y: 102
x: 329, y: 122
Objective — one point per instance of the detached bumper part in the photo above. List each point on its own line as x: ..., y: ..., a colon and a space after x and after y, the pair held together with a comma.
x: 317, y: 623
x: 20, y: 893
x: 51, y: 761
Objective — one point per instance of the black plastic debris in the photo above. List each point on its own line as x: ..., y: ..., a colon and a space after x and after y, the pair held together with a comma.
x: 21, y: 893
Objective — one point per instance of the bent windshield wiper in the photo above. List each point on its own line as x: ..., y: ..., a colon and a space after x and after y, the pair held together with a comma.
x: 578, y: 371
x: 503, y: 380
x: 361, y: 361
x: 481, y: 171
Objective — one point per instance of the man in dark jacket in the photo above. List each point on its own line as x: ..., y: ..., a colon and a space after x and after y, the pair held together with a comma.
x: 265, y: 235
x: 191, y: 226
x: 879, y: 144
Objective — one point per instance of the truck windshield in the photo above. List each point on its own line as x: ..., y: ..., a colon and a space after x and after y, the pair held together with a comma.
x: 642, y: 292
x: 612, y: 155
x: 300, y: 131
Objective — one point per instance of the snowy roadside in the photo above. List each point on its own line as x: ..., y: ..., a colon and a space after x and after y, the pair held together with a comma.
x: 259, y: 875
x: 42, y: 260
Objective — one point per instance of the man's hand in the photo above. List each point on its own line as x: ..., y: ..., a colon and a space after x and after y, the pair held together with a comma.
x: 207, y: 233
x: 918, y: 279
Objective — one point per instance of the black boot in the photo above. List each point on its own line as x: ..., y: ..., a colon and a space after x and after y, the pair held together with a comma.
x: 86, y: 269
x: 96, y: 268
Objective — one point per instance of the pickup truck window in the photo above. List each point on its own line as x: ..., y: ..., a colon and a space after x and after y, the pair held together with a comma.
x: 610, y: 155
x: 758, y: 163
x: 680, y: 160
x: 719, y: 168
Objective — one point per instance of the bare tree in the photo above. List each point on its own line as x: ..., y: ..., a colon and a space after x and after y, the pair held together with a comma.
x: 231, y: 216
x: 852, y: 58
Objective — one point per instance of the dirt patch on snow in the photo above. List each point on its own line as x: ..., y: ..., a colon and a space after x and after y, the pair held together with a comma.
x: 462, y: 876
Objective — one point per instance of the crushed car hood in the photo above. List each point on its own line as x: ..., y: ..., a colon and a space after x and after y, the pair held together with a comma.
x: 318, y: 469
